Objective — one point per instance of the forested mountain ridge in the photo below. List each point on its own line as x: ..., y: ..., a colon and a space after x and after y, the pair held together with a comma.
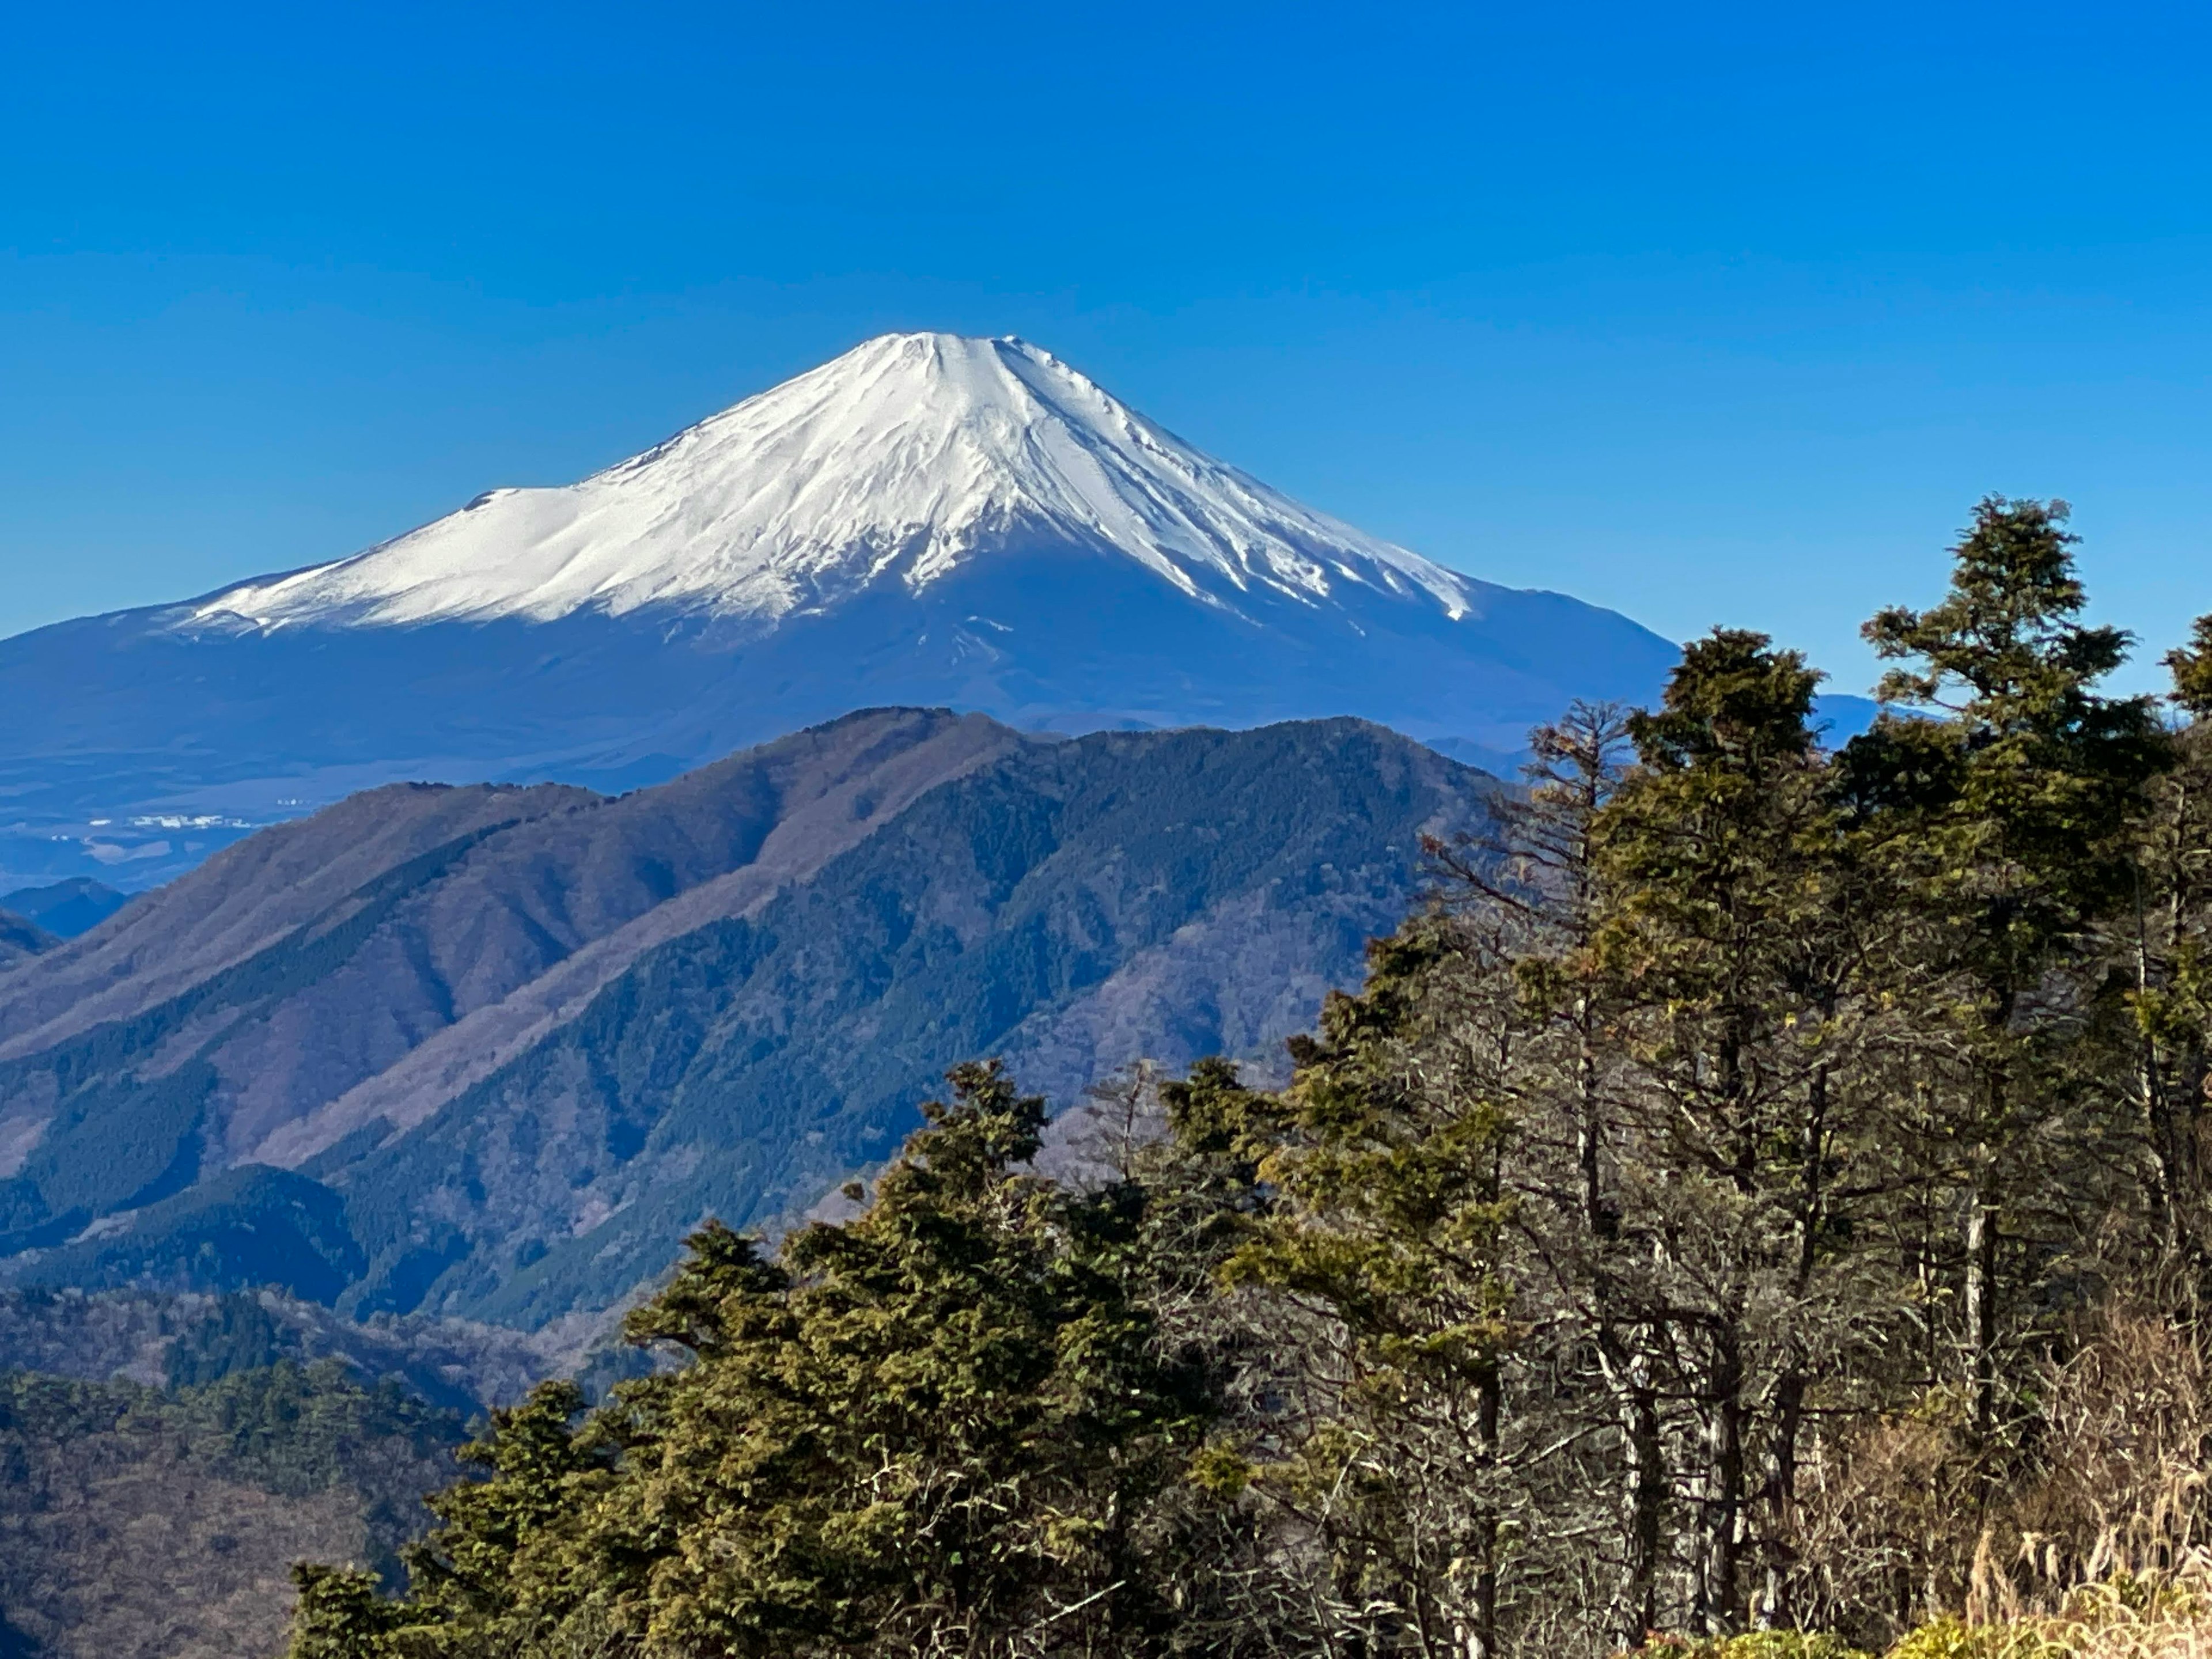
x: 155, y: 1337
x: 489, y: 1051
x: 164, y: 1458
x: 173, y: 1040
x: 1075, y: 906
x: 21, y: 937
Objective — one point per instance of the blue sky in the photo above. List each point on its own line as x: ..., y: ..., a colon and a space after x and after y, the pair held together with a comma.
x: 1719, y: 313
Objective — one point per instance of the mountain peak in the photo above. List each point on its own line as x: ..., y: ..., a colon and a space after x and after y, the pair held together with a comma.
x: 904, y: 460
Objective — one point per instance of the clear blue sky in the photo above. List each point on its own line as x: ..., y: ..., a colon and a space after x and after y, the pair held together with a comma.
x: 1708, y: 314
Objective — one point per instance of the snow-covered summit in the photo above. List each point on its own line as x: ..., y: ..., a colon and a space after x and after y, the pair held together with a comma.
x: 902, y: 461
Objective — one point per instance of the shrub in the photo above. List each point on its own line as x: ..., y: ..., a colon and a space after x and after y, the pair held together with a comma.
x: 1756, y: 1644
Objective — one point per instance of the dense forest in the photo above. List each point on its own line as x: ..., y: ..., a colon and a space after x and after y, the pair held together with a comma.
x: 1758, y: 1207
x: 154, y: 1522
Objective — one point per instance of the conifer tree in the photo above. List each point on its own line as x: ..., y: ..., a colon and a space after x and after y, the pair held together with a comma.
x: 1391, y: 1228
x: 2165, y: 953
x: 1533, y: 894
x: 2009, y: 821
x: 943, y: 1427
x: 479, y: 1578
x: 1728, y: 927
x: 340, y: 1614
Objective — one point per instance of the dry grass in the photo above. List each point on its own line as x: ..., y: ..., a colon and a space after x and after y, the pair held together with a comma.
x: 2124, y: 1617
x: 2100, y: 1497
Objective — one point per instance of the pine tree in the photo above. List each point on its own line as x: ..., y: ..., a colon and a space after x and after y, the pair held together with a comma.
x: 1389, y: 1227
x: 480, y: 1578
x: 1532, y: 893
x: 340, y: 1614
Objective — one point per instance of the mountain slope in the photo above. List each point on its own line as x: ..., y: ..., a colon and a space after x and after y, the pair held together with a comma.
x: 138, y: 1524
x: 310, y: 959
x: 1054, y: 908
x: 926, y: 521
x: 503, y: 1047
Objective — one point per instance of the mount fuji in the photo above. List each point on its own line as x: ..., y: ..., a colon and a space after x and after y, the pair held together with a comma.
x: 927, y: 520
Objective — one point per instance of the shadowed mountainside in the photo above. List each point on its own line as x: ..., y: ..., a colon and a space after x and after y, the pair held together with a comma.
x: 22, y: 938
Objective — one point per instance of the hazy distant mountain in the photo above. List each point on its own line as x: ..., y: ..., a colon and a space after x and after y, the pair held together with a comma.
x: 491, y: 1051
x: 65, y: 908
x: 926, y: 520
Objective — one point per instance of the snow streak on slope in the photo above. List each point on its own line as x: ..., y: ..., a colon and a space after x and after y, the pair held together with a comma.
x: 901, y: 461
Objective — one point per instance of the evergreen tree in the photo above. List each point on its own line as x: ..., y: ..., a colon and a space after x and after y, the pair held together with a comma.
x: 1727, y: 892
x: 2009, y: 821
x: 479, y: 1579
x: 1534, y: 895
x: 950, y: 1444
x: 340, y: 1614
x: 1390, y: 1228
x: 2165, y: 962
x: 944, y: 1427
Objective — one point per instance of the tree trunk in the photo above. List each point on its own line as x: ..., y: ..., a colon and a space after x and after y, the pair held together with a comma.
x: 1775, y: 1608
x: 1482, y: 1636
x: 1642, y: 1488
x: 1981, y: 1293
x: 1719, y: 1609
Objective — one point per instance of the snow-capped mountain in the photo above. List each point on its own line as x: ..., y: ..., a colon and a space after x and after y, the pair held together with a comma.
x: 906, y: 459
x: 926, y: 520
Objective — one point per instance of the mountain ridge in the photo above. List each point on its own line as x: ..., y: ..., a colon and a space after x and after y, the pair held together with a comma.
x: 488, y: 1052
